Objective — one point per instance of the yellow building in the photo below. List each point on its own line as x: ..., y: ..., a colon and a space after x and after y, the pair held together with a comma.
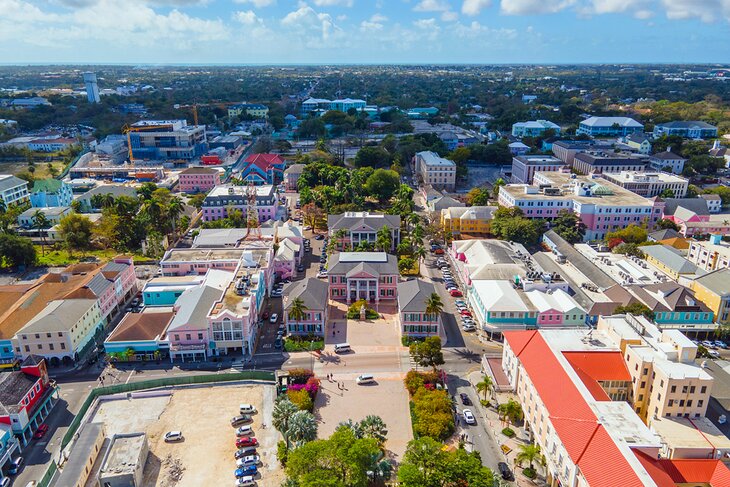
x: 713, y: 289
x: 473, y: 220
x: 255, y: 110
x: 669, y: 260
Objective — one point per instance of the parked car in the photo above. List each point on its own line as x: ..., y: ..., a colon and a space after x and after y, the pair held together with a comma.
x: 247, y: 409
x: 439, y: 251
x: 244, y: 430
x: 720, y: 344
x: 465, y: 399
x: 322, y: 275
x: 465, y: 312
x: 274, y: 318
x: 241, y: 419
x: 278, y: 343
x: 265, y: 315
x: 300, y: 268
x: 468, y: 327
x: 504, y: 471
x: 460, y: 302
x: 246, y: 471
x: 5, y: 482
x: 469, y: 416
x: 456, y: 293
x: 276, y: 293
x: 244, y: 452
x: 708, y: 344
x: 319, y: 236
x: 15, y: 466
x: 244, y: 442
x: 246, y: 481
x: 172, y: 436
x: 249, y: 460
x: 714, y: 353
x: 41, y: 431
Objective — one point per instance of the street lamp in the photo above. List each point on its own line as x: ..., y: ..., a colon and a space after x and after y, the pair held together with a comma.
x: 311, y: 354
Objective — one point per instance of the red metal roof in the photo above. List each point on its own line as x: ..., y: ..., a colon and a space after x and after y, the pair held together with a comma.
x: 593, y: 367
x: 668, y: 473
x: 264, y: 161
x: 587, y: 442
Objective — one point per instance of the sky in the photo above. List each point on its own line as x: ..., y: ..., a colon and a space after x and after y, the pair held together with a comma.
x: 363, y: 31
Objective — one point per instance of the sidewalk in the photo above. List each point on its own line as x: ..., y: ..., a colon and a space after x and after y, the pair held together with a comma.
x: 491, y: 419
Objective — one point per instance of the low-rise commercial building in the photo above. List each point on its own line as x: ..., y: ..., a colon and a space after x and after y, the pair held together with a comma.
x: 141, y: 333
x: 638, y: 142
x: 600, y: 162
x: 435, y: 170
x: 414, y: 317
x: 650, y: 184
x: 53, y: 215
x: 198, y: 179
x: 710, y: 255
x: 226, y: 197
x: 256, y: 110
x: 713, y: 290
x: 372, y: 276
x: 690, y: 129
x: 609, y: 126
x: 50, y: 192
x: 291, y: 176
x: 261, y: 169
x: 669, y: 260
x: 534, y: 128
x: 472, y: 220
x: 525, y: 167
x: 565, y: 150
x: 13, y: 191
x: 667, y: 161
x: 696, y: 438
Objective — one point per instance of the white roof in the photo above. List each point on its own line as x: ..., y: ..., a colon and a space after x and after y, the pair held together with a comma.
x: 433, y: 159
x: 557, y: 300
x: 499, y: 296
x: 609, y: 121
x: 537, y: 124
x: 363, y: 257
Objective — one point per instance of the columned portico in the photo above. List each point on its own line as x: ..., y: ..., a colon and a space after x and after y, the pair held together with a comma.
x: 358, y: 288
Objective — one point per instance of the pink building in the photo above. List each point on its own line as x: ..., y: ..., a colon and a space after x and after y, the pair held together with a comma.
x: 693, y: 223
x: 291, y: 176
x: 601, y: 205
x: 412, y: 315
x: 198, y: 180
x: 314, y: 294
x: 112, y: 286
x: 363, y: 275
x: 225, y: 197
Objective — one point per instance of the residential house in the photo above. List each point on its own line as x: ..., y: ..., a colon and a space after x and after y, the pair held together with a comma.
x: 50, y: 192
x: 362, y: 227
x: 435, y: 171
x: 413, y: 319
x: 690, y: 129
x: 556, y: 308
x: 713, y: 290
x: 255, y: 110
x: 667, y: 161
x: 670, y: 261
x: 518, y: 148
x: 694, y: 218
x: 314, y: 294
x: 198, y: 179
x: 638, y: 142
x: 609, y: 126
x: 607, y: 162
x: 13, y: 191
x: 443, y: 202
x: 372, y: 276
x: 472, y: 220
x: 718, y: 150
x: 260, y: 169
x: 53, y: 214
x: 27, y: 397
x: 534, y: 128
x: 714, y: 202
x: 711, y: 255
x: 291, y: 176
x: 455, y: 139
x: 525, y: 167
x: 223, y: 198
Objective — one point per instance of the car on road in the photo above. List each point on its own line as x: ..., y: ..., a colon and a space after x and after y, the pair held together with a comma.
x: 244, y: 442
x: 249, y: 460
x: 465, y: 312
x: 278, y: 343
x: 319, y: 236
x: 41, y: 431
x: 5, y: 482
x: 300, y: 268
x: 465, y: 399
x: 460, y: 302
x: 265, y: 315
x: 720, y: 344
x: 322, y: 274
x: 246, y: 471
x: 274, y: 318
x: 708, y: 344
x: 439, y: 251
x: 241, y: 419
x: 244, y: 430
x: 504, y: 471
x: 469, y: 416
x: 714, y: 353
x: 455, y: 293
x: 172, y: 436
x: 15, y: 466
x: 277, y: 293
x: 246, y: 481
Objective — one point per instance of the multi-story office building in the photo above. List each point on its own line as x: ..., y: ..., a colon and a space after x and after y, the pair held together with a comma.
x: 113, y: 148
x: 534, y: 128
x: 713, y: 290
x: 413, y: 318
x: 565, y: 150
x: 690, y: 129
x: 13, y: 191
x: 255, y: 110
x: 355, y: 227
x: 167, y: 140
x: 50, y: 192
x: 525, y: 167
x: 667, y: 161
x: 372, y: 276
x: 638, y: 142
x: 607, y: 162
x: 226, y: 197
x: 710, y: 255
x: 263, y: 169
x: 321, y: 104
x: 198, y: 179
x: 314, y: 293
x: 609, y: 126
x: 471, y: 220
x: 435, y: 170
x: 649, y: 184
x: 601, y: 205
x: 92, y: 88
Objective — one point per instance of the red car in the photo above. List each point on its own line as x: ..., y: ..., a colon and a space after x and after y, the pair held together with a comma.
x: 41, y: 431
x: 456, y: 293
x: 465, y: 312
x: 265, y: 315
x: 244, y: 442
x: 439, y: 251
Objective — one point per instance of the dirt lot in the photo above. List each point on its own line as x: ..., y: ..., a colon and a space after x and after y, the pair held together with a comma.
x: 387, y: 398
x: 205, y: 457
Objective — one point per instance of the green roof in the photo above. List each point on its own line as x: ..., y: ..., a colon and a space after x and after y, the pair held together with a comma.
x: 47, y: 186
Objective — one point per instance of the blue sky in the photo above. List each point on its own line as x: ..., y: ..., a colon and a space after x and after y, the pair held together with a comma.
x: 364, y: 31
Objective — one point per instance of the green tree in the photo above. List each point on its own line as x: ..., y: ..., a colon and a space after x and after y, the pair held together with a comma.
x: 495, y: 187
x: 405, y: 264
x: 196, y: 200
x: 630, y: 234
x: 629, y: 249
x: 636, y: 309
x: 75, y: 232
x: 370, y: 156
x: 510, y: 411
x: 297, y: 310
x: 666, y: 224
x: 302, y: 428
x: 485, y: 386
x: 477, y: 197
x: 382, y: 184
x: 434, y: 306
x: 667, y: 193
x: 427, y: 464
x: 283, y: 411
x: 531, y: 454
x: 569, y: 226
x: 383, y: 239
x: 16, y: 251
x: 41, y: 223
x: 428, y: 352
x: 373, y: 427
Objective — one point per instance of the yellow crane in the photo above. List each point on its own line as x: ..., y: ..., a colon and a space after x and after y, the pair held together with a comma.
x: 127, y: 129
x: 194, y: 107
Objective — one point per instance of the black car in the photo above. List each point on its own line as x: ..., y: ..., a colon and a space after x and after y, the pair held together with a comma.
x: 465, y: 399
x: 504, y: 471
x: 300, y: 268
x: 319, y: 236
x: 278, y: 343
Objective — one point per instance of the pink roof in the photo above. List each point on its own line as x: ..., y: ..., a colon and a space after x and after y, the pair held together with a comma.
x: 264, y: 161
x: 587, y: 442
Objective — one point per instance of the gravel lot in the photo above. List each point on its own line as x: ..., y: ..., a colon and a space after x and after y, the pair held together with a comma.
x: 203, y: 414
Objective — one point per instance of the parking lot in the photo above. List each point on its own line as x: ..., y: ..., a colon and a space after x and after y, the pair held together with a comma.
x: 203, y: 414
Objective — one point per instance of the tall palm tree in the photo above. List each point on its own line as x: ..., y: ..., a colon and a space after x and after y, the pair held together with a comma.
x: 530, y: 454
x: 384, y: 240
x: 174, y: 209
x: 298, y: 309
x: 434, y: 305
x: 419, y: 253
x: 510, y: 411
x: 283, y: 411
x: 41, y: 223
x: 485, y: 386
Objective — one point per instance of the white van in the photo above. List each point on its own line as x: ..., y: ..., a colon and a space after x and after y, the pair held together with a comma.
x: 342, y: 348
x: 247, y: 409
x: 365, y: 379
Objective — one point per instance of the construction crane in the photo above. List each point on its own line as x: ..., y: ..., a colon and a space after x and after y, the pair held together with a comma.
x: 127, y: 129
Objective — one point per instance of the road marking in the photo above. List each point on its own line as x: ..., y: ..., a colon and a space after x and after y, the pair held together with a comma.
x: 129, y: 376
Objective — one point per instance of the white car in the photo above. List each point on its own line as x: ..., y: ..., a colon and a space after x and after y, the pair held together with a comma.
x: 249, y: 460
x: 708, y: 344
x: 468, y: 327
x: 246, y: 481
x: 322, y: 275
x: 172, y: 436
x: 274, y: 318
x: 244, y: 431
x: 469, y: 416
x: 247, y: 409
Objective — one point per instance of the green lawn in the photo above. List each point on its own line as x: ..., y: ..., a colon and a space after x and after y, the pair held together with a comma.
x: 58, y: 258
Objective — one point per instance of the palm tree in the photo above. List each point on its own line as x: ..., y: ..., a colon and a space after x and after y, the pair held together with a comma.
x: 302, y: 428
x: 40, y: 223
x: 510, y: 411
x: 174, y: 209
x: 283, y: 411
x: 434, y: 305
x: 339, y: 236
x: 374, y: 427
x: 384, y: 240
x: 530, y: 454
x: 485, y: 386
x: 298, y: 309
x: 351, y: 425
x: 419, y: 253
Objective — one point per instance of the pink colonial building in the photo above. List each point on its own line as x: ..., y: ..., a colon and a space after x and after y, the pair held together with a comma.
x: 198, y: 179
x: 601, y: 205
x: 412, y: 315
x: 112, y: 286
x: 314, y: 294
x: 363, y: 275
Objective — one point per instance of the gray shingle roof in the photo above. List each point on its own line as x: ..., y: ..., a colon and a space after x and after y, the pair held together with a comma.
x: 665, y: 234
x: 412, y: 295
x: 194, y: 305
x: 695, y: 205
x: 14, y: 386
x: 10, y: 182
x: 314, y: 292
x: 99, y: 284
x: 717, y: 281
x: 668, y: 156
x: 670, y: 257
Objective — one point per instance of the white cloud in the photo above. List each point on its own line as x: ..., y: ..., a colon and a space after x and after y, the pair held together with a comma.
x: 705, y: 10
x: 432, y: 6
x: 449, y: 16
x: 257, y: 3
x: 313, y: 28
x: 247, y: 17
x: 378, y: 18
x: 534, y: 7
x: 332, y: 3
x: 474, y: 7
x: 376, y: 22
x: 426, y: 24
x: 475, y: 30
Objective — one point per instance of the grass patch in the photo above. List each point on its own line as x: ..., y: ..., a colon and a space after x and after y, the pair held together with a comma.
x: 407, y: 340
x: 303, y: 344
x: 508, y: 432
x: 58, y: 258
x: 530, y: 473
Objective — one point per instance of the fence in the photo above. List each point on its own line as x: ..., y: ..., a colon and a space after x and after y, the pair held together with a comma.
x: 52, y: 468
